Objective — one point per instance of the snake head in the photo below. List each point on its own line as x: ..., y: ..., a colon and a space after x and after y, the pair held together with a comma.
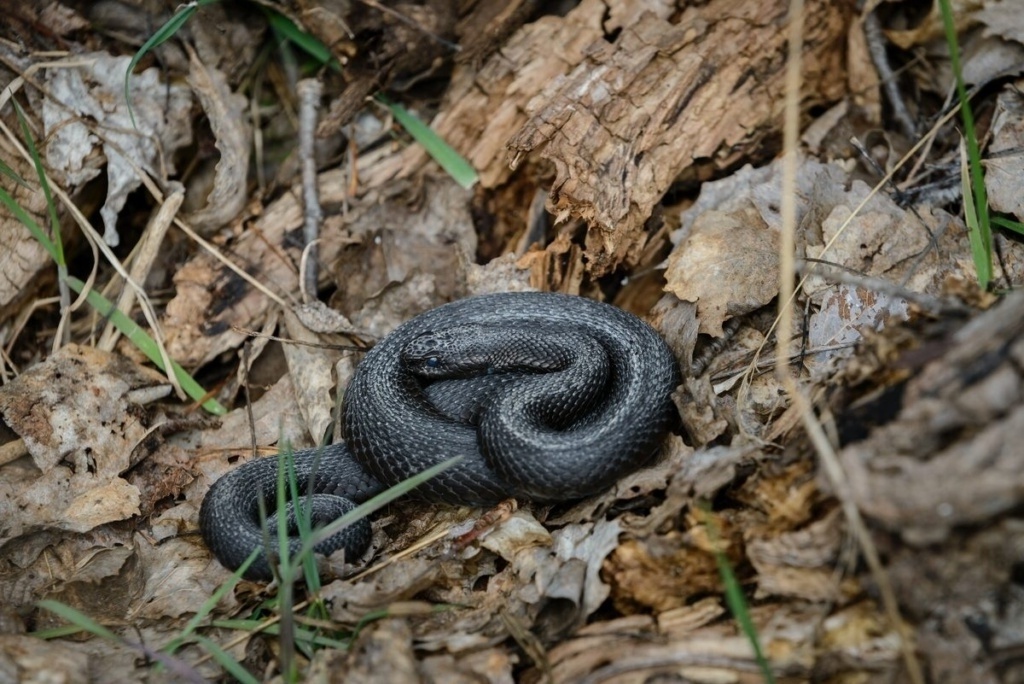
x: 456, y: 352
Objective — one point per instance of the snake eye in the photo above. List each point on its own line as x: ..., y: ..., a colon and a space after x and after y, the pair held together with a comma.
x: 433, y: 362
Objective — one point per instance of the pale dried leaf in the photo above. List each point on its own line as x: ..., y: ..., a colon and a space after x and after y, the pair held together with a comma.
x: 96, y: 92
x: 22, y: 257
x: 847, y: 310
x: 310, y: 370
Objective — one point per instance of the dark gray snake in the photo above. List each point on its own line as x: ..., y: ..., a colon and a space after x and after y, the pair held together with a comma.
x: 546, y: 396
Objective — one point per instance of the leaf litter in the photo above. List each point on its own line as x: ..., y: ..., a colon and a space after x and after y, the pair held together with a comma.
x: 650, y: 131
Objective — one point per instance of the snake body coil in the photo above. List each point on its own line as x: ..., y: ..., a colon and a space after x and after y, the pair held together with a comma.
x: 547, y: 397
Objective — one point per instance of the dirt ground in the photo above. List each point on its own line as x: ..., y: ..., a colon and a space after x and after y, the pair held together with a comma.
x: 858, y: 466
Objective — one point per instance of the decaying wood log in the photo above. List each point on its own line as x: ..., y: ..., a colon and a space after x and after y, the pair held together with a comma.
x: 954, y: 454
x: 623, y: 105
x: 947, y: 476
x: 705, y: 86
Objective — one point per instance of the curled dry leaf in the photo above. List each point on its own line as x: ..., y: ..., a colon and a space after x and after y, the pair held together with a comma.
x: 228, y: 116
x: 94, y: 92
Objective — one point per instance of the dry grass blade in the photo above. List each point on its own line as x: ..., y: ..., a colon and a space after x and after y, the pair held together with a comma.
x: 787, y: 293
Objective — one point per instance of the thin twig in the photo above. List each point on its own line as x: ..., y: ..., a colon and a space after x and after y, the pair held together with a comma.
x: 875, y: 39
x: 837, y: 273
x: 826, y: 454
x: 309, y: 90
x: 145, y: 255
x: 787, y: 291
x: 289, y: 340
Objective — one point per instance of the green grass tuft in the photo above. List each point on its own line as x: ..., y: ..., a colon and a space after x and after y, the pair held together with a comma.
x: 735, y: 598
x: 975, y: 198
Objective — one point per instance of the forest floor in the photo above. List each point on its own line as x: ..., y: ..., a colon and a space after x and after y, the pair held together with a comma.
x: 843, y: 500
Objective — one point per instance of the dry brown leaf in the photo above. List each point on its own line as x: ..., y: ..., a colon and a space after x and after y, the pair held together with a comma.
x: 382, y: 653
x: 421, y: 253
x: 1004, y: 163
x: 845, y: 311
x: 228, y: 117
x: 632, y: 649
x: 309, y: 368
x: 81, y: 442
x: 728, y: 265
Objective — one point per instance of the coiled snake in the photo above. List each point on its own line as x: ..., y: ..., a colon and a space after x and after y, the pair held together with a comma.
x: 547, y: 397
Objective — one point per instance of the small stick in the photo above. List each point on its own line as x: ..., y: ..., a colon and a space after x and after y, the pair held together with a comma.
x: 309, y: 90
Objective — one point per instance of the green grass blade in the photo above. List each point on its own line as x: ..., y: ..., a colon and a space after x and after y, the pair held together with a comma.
x: 368, y: 507
x: 980, y: 248
x: 381, y: 614
x: 125, y: 324
x: 737, y: 603
x: 12, y: 174
x: 208, y: 605
x: 26, y: 134
x: 379, y: 501
x: 146, y: 344
x: 305, y: 635
x: 303, y: 522
x: 80, y: 620
x: 735, y: 598
x: 1015, y: 226
x: 58, y: 632
x: 285, y: 29
x: 162, y: 35
x: 34, y: 228
x: 980, y: 197
x: 451, y: 161
x: 285, y: 477
x: 224, y: 659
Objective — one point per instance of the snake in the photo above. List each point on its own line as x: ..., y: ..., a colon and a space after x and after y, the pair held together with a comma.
x: 542, y: 396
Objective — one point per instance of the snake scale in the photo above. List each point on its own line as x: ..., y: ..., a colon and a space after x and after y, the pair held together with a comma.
x: 547, y: 397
